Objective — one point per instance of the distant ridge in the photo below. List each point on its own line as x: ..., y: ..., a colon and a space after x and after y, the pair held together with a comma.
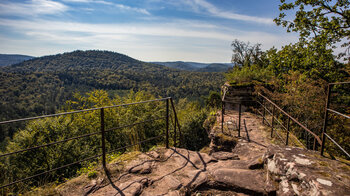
x: 81, y: 61
x: 42, y: 85
x: 198, y: 67
x: 10, y: 59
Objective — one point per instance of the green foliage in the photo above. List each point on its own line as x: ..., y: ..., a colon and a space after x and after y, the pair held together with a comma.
x: 303, y: 69
x: 245, y: 54
x: 298, y: 73
x: 47, y: 130
x: 192, y: 118
x: 42, y: 85
x: 249, y: 74
x: 209, y: 122
x: 303, y: 98
x: 338, y: 126
x: 313, y: 61
x: 321, y: 21
x: 213, y: 100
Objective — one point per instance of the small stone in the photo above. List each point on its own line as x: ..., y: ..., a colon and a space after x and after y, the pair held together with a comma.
x: 302, y: 175
x: 153, y: 154
x: 272, y: 167
x: 324, y: 182
x: 130, y: 188
x: 302, y: 161
x: 295, y: 189
x: 225, y: 156
x: 142, y: 167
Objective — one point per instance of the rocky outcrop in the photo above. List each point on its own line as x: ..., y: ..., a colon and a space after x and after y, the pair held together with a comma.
x: 303, y: 172
x: 235, y: 94
x: 233, y: 166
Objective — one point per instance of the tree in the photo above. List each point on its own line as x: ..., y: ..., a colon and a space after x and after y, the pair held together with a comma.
x: 245, y: 54
x: 320, y: 22
x: 213, y: 100
x: 314, y: 62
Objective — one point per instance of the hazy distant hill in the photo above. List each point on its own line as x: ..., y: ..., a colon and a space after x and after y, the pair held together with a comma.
x: 177, y: 65
x: 42, y: 85
x: 216, y: 67
x: 10, y: 59
x: 198, y: 67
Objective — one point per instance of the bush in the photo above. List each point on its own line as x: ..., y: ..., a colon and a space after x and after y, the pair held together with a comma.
x: 248, y: 75
x: 191, y: 118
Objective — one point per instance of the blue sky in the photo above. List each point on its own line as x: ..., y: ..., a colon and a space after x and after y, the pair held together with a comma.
x: 148, y: 30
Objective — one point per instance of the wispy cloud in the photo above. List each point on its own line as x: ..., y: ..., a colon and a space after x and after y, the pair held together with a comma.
x: 135, y: 9
x: 33, y: 8
x: 156, y: 29
x: 119, y: 6
x: 159, y: 36
x: 89, y: 1
x: 55, y: 30
x: 213, y: 10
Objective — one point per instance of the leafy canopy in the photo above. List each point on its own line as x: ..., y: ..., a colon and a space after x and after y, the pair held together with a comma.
x: 324, y: 22
x: 245, y: 54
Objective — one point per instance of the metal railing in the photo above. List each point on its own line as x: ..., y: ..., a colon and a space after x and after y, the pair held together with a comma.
x: 274, y: 119
x: 168, y: 101
x: 239, y: 121
x: 239, y: 103
x: 290, y: 119
x: 327, y: 110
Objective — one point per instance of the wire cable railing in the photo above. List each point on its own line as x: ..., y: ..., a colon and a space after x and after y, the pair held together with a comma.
x: 326, y: 119
x: 169, y: 106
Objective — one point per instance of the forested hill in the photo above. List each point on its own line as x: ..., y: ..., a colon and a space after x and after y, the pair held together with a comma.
x: 80, y: 61
x: 9, y: 59
x: 197, y: 67
x: 42, y: 85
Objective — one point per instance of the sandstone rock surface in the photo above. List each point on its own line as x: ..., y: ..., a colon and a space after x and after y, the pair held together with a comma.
x: 233, y: 166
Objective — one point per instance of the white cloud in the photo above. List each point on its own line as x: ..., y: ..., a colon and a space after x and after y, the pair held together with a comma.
x: 165, y: 29
x: 78, y: 1
x: 175, y: 40
x: 197, y: 4
x: 119, y: 6
x: 32, y: 8
x: 128, y: 8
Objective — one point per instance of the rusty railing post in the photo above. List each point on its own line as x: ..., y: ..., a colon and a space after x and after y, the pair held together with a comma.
x: 180, y: 135
x: 272, y: 120
x: 103, y: 138
x: 315, y: 144
x: 222, y: 116
x: 172, y: 104
x: 288, y: 121
x: 246, y: 130
x: 167, y: 124
x: 175, y: 135
x: 176, y: 121
x: 239, y: 119
x: 325, y: 119
x: 263, y: 106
